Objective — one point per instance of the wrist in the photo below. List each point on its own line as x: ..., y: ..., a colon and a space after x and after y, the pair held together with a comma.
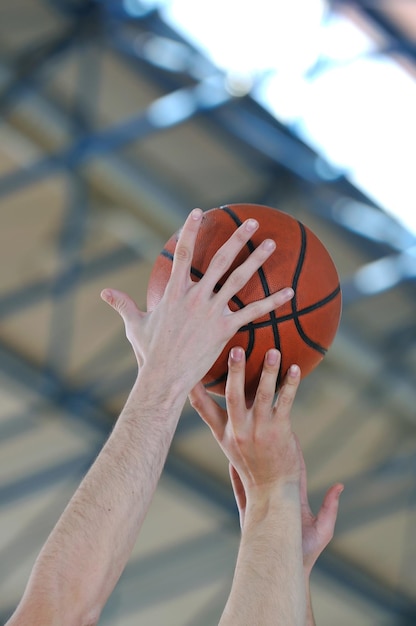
x: 267, y: 499
x: 167, y: 395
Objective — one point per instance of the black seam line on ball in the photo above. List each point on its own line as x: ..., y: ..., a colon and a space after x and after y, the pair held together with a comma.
x: 263, y: 281
x: 252, y: 326
x: 309, y: 342
x: 217, y: 381
x: 248, y: 327
x: 300, y: 313
x: 198, y: 274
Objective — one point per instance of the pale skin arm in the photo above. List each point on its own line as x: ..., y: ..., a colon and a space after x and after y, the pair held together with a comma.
x: 268, y: 586
x: 87, y: 551
x: 317, y: 531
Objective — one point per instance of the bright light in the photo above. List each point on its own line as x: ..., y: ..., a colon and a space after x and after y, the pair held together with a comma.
x: 318, y: 72
x: 361, y: 118
x: 249, y: 38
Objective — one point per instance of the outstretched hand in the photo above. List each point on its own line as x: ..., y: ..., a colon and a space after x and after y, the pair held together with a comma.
x: 184, y: 335
x: 278, y: 448
x: 257, y: 440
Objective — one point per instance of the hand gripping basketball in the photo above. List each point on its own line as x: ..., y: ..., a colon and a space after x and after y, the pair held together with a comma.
x: 185, y: 331
x: 302, y: 329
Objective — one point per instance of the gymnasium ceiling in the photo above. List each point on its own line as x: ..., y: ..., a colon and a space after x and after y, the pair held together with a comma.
x: 99, y: 165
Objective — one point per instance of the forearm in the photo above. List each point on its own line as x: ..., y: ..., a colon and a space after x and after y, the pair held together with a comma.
x: 86, y: 552
x: 268, y: 586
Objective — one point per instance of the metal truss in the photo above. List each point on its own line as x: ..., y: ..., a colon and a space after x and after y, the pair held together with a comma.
x: 265, y: 144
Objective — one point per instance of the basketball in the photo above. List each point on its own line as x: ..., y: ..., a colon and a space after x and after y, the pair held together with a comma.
x: 303, y: 328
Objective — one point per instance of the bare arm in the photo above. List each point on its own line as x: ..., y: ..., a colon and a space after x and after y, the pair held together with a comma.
x: 317, y: 531
x: 86, y: 552
x: 89, y: 547
x: 268, y: 586
x: 268, y: 581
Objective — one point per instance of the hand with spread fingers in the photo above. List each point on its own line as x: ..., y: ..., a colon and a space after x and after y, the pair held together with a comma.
x: 262, y: 450
x: 173, y: 337
x: 86, y: 552
x: 258, y: 441
x: 268, y: 586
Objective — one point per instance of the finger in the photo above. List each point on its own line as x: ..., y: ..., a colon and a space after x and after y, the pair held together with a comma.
x: 257, y: 309
x: 209, y: 411
x: 327, y: 515
x: 184, y: 250
x: 266, y: 389
x: 234, y: 388
x: 287, y: 393
x: 123, y: 304
x: 242, y: 274
x: 226, y: 254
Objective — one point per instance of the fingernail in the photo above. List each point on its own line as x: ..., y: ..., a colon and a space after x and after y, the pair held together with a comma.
x: 268, y: 244
x: 251, y: 225
x: 106, y: 294
x: 294, y: 371
x: 272, y: 357
x: 196, y: 214
x: 236, y: 354
x: 288, y: 293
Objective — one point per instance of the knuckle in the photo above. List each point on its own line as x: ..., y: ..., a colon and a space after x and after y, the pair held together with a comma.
x: 260, y: 437
x: 236, y: 280
x: 220, y: 260
x: 264, y: 396
x: 120, y: 304
x: 254, y: 310
x: 285, y: 399
x: 240, y: 439
x: 195, y: 403
x: 182, y: 253
x: 233, y: 398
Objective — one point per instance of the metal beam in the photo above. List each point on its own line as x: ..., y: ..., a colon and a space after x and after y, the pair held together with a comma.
x: 29, y: 295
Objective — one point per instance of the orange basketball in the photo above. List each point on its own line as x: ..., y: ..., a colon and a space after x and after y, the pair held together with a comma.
x: 302, y: 329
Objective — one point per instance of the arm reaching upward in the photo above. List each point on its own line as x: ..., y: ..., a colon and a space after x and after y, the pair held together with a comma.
x: 268, y: 586
x: 87, y: 550
x: 316, y: 531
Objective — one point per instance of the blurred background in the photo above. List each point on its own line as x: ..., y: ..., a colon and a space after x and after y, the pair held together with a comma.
x: 117, y: 118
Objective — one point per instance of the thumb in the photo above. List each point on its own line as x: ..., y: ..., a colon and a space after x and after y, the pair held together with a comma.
x: 327, y: 515
x: 122, y: 303
x: 208, y: 410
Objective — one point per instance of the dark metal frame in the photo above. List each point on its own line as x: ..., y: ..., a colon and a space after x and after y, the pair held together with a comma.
x: 263, y: 142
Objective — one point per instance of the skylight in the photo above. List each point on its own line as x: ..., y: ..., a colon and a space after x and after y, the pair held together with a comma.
x: 320, y: 74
